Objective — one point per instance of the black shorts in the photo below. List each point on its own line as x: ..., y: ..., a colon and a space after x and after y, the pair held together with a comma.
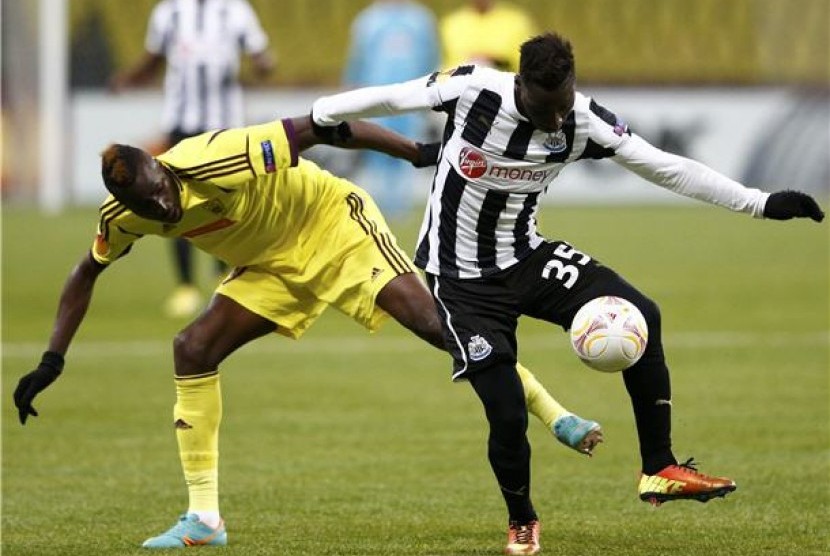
x: 480, y: 315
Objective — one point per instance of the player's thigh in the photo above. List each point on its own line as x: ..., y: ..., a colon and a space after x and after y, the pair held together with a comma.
x: 558, y: 279
x: 479, y: 319
x: 365, y: 260
x: 282, y: 300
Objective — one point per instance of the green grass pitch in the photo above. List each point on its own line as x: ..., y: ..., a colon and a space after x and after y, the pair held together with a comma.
x: 349, y: 444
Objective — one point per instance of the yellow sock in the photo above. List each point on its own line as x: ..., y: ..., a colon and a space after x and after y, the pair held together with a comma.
x: 539, y: 401
x: 196, y: 416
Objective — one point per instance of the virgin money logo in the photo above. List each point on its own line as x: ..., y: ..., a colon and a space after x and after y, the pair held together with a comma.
x: 472, y: 163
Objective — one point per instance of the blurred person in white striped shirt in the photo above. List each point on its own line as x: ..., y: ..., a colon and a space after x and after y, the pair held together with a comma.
x: 201, y: 42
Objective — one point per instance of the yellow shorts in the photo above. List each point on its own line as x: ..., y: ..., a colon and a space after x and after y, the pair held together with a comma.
x: 354, y: 256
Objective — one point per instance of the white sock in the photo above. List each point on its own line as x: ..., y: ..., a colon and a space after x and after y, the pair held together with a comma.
x: 211, y: 519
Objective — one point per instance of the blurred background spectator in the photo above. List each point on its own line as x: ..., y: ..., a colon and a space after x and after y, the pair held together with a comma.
x: 201, y: 42
x: 485, y: 32
x: 391, y: 41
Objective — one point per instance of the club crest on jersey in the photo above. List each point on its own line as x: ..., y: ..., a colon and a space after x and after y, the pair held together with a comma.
x: 556, y: 142
x: 620, y: 127
x: 472, y: 163
x: 268, y: 156
x: 478, y: 348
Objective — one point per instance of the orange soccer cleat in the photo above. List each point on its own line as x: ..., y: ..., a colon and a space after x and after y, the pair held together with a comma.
x: 682, y: 482
x: 523, y: 539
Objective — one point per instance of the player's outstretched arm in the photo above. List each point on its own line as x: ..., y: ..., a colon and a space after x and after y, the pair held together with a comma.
x: 140, y: 74
x: 74, y: 301
x: 696, y: 180
x: 360, y: 134
x: 788, y: 204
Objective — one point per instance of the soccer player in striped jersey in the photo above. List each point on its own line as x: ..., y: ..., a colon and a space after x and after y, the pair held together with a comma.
x: 300, y: 239
x: 507, y: 137
x: 201, y: 42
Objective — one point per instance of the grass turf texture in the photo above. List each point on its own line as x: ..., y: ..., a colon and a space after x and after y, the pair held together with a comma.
x: 348, y: 444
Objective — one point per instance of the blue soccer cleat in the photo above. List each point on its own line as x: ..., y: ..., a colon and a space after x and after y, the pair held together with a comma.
x: 577, y: 433
x: 189, y: 531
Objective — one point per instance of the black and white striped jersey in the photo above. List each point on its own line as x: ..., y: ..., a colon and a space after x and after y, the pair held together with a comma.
x: 494, y: 165
x: 202, y: 41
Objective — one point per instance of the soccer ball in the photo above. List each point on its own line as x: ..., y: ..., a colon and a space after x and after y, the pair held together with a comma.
x: 609, y: 334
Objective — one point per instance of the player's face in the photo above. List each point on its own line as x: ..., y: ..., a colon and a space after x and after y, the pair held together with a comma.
x: 155, y: 195
x: 547, y: 109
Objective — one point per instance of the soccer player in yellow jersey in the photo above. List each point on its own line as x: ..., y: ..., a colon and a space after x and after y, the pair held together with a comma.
x: 299, y: 239
x: 486, y: 33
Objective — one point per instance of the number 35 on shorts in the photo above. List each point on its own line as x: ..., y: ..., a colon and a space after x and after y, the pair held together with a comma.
x: 565, y: 265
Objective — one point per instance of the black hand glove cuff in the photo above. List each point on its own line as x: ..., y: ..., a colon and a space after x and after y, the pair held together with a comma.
x: 427, y: 154
x: 329, y: 134
x: 52, y: 361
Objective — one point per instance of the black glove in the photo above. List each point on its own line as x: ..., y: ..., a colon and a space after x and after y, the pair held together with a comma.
x: 30, y: 385
x: 329, y: 134
x: 427, y: 154
x: 783, y: 205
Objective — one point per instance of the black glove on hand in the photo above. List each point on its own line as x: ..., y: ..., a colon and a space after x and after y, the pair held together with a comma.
x: 783, y: 205
x: 340, y: 133
x: 31, y: 385
x: 427, y: 154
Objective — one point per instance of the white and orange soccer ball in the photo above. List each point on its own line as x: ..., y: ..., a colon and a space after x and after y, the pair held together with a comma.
x: 609, y: 334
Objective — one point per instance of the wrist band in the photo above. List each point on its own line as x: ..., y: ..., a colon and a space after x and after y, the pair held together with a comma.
x: 53, y: 360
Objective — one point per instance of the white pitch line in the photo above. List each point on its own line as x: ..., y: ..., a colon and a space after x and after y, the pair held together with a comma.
x: 277, y: 344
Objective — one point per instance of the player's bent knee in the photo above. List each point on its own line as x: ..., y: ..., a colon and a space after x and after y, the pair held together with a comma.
x: 408, y: 301
x: 650, y: 311
x: 508, y: 427
x: 513, y: 418
x: 649, y: 308
x: 503, y: 399
x: 191, y: 354
x: 611, y: 283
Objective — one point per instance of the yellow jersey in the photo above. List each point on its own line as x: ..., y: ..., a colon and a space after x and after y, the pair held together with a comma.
x: 470, y: 37
x: 248, y: 199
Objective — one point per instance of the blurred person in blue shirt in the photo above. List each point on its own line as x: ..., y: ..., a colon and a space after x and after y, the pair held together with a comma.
x: 392, y: 41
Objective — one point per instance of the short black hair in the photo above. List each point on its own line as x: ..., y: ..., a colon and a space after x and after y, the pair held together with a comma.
x: 119, y: 166
x: 546, y: 60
